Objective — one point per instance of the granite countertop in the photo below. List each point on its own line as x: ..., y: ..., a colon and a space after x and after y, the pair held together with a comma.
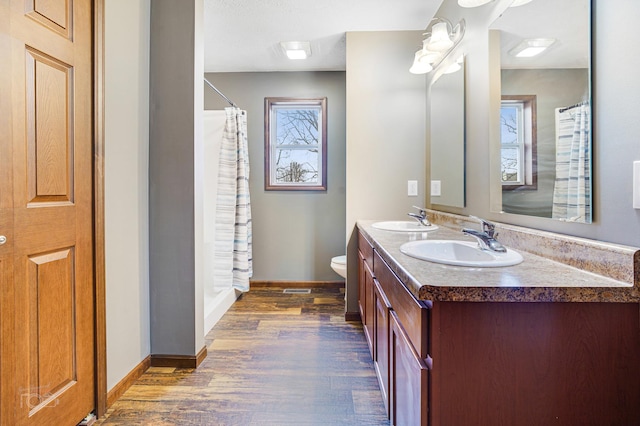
x: 536, y: 279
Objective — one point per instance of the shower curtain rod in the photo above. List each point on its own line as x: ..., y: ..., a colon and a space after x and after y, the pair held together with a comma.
x: 220, y: 93
x: 574, y: 106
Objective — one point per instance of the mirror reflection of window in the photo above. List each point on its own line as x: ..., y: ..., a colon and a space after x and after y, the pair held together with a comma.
x: 518, y: 142
x: 512, y: 143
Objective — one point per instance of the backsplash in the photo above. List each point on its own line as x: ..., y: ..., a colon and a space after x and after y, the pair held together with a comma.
x: 615, y: 261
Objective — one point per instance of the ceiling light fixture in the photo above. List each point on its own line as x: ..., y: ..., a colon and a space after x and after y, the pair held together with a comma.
x: 474, y: 3
x: 531, y: 47
x: 296, y: 49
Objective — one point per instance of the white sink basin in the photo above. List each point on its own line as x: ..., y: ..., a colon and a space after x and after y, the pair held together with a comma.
x: 459, y: 253
x: 403, y: 226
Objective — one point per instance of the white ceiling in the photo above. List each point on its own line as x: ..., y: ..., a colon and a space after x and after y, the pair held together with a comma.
x: 244, y: 35
x: 567, y: 21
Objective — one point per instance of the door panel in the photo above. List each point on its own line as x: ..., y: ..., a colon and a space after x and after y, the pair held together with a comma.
x: 49, y: 123
x: 48, y: 304
x: 54, y: 14
x: 51, y: 321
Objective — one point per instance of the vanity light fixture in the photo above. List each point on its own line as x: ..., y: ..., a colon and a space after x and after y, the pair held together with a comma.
x: 455, y: 67
x: 441, y: 38
x: 474, y: 3
x: 296, y: 49
x: 531, y: 47
x: 420, y: 64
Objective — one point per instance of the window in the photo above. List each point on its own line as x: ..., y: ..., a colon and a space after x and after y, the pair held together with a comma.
x: 518, y: 142
x: 295, y: 144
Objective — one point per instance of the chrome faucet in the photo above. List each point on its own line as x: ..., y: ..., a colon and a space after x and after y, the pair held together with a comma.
x: 420, y: 217
x: 486, y: 238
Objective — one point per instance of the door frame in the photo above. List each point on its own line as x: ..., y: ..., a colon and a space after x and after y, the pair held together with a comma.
x: 99, y: 283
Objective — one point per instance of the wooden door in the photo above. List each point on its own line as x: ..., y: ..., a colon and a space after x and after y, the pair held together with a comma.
x: 47, y: 305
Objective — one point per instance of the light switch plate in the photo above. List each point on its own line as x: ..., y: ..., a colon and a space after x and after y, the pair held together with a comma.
x: 412, y: 188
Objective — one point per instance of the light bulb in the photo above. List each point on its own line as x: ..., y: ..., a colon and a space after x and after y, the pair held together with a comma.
x: 440, y: 40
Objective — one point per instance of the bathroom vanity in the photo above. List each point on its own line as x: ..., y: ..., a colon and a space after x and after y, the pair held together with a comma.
x: 539, y: 343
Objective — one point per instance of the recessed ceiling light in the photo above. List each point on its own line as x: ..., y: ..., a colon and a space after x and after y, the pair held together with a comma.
x: 296, y: 49
x: 531, y: 47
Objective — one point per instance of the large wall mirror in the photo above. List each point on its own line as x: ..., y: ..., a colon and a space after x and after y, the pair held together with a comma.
x: 447, y: 137
x: 545, y: 110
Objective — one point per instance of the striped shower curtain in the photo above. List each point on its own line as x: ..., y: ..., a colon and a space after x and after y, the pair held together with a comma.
x: 572, y: 192
x: 233, y: 263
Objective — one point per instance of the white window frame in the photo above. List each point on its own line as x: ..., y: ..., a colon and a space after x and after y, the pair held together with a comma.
x: 273, y: 149
x: 525, y: 143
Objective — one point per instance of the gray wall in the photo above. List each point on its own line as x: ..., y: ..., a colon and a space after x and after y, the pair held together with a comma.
x: 385, y: 133
x: 295, y: 233
x: 554, y: 88
x: 175, y: 125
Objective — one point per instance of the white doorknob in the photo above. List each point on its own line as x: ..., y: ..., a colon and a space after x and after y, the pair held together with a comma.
x: 3, y: 239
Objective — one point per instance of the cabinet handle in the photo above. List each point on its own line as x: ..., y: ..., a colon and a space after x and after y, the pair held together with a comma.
x: 3, y: 239
x: 429, y: 361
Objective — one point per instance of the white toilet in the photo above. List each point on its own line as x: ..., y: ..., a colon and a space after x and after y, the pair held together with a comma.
x: 339, y: 264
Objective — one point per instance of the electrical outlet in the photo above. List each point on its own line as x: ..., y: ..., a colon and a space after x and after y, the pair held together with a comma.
x: 435, y: 188
x: 412, y: 188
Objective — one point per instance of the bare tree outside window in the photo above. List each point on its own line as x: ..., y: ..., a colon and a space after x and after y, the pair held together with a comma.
x: 518, y: 137
x: 511, y: 129
x: 295, y: 144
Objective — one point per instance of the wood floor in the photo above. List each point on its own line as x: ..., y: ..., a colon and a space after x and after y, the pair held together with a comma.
x: 274, y: 359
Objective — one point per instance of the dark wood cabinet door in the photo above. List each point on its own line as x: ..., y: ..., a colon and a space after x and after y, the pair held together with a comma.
x: 381, y: 349
x: 361, y: 288
x: 369, y: 312
x: 409, y: 379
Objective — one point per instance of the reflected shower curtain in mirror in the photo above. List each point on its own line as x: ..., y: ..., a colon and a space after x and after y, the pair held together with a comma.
x: 572, y: 191
x: 233, y: 263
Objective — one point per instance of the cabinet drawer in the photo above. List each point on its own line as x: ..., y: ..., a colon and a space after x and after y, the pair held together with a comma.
x: 413, y: 315
x: 366, y: 249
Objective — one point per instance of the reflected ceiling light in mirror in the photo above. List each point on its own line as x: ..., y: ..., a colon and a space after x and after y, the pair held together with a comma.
x: 517, y: 3
x: 531, y: 47
x: 474, y: 3
x: 296, y: 49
